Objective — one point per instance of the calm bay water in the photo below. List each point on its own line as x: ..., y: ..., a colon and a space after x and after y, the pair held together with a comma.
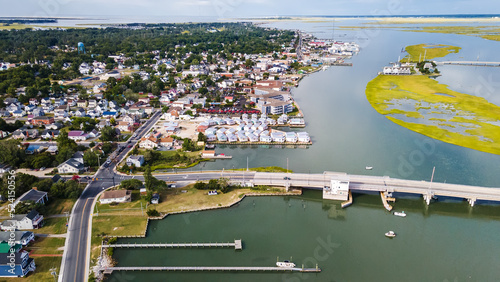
x: 447, y: 241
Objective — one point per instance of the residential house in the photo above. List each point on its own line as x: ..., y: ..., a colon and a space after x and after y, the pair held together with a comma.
x: 81, y: 103
x: 103, y: 123
x: 167, y: 141
x: 18, y: 113
x: 92, y: 103
x: 18, y: 237
x: 25, y: 134
x: 54, y: 126
x: 72, y: 165
x: 33, y: 195
x: 52, y: 150
x: 110, y: 114
x: 115, y: 196
x: 135, y: 160
x: 124, y: 126
x: 16, y: 265
x: 42, y: 120
x: 77, y: 135
x: 32, y: 220
x: 148, y: 143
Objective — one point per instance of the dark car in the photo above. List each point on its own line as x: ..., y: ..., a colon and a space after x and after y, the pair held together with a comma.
x: 287, y: 178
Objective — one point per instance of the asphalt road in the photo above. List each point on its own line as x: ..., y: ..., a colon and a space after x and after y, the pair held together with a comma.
x: 76, y: 254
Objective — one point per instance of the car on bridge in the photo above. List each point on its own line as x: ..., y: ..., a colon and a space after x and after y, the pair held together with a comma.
x: 286, y: 178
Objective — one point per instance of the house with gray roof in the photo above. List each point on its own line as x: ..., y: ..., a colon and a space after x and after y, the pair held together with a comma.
x: 17, y: 237
x: 33, y: 195
x: 70, y: 166
x: 32, y: 220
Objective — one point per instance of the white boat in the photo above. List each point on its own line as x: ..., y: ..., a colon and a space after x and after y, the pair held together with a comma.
x: 401, y: 214
x: 369, y: 167
x: 285, y: 263
x: 390, y: 234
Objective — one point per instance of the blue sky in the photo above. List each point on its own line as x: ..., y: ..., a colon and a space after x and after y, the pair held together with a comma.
x: 242, y: 8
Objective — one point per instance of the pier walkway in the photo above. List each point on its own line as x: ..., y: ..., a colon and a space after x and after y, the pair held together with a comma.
x: 237, y: 245
x: 109, y: 270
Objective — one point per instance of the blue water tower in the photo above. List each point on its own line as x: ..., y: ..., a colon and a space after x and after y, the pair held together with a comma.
x: 81, y: 48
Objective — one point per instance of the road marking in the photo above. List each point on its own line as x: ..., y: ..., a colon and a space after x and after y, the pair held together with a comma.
x: 80, y: 238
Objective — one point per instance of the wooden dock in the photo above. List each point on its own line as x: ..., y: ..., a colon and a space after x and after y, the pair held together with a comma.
x: 237, y: 245
x: 347, y: 203
x: 109, y: 270
x: 384, y: 201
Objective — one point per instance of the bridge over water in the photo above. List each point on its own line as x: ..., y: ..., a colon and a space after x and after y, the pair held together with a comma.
x: 469, y: 63
x: 365, y: 183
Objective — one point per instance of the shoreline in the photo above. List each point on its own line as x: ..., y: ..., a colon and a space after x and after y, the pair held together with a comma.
x: 236, y: 202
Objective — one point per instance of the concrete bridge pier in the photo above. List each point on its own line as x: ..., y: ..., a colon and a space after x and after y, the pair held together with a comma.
x: 472, y: 201
x: 427, y: 198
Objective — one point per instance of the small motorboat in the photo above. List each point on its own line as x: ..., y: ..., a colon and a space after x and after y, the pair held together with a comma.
x: 401, y: 214
x: 369, y: 167
x: 390, y: 234
x: 285, y: 263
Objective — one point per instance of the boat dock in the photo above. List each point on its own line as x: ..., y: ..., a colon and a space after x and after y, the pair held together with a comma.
x: 347, y: 203
x: 237, y: 245
x: 109, y: 270
x: 385, y: 201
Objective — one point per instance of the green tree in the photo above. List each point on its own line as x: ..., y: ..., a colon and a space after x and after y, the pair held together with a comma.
x: 42, y: 160
x: 90, y: 158
x: 148, y: 178
x: 11, y: 153
x: 202, y: 137
x: 107, y: 147
x: 108, y: 133
x: 152, y: 213
x: 131, y: 184
x: 64, y: 141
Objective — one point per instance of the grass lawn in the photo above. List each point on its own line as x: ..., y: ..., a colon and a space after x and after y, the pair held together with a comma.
x: 430, y: 51
x: 180, y: 199
x: 467, y: 110
x: 59, y: 206
x: 53, y: 226
x: 47, y: 245
x: 193, y: 158
x: 55, y: 206
x: 117, y: 225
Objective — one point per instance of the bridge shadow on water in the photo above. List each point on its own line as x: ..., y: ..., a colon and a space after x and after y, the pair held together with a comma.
x: 442, y: 206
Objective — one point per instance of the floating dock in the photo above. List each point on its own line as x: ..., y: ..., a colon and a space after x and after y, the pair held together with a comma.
x: 237, y: 245
x: 109, y: 270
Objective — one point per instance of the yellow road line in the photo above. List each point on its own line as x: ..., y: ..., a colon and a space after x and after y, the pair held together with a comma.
x: 79, y: 238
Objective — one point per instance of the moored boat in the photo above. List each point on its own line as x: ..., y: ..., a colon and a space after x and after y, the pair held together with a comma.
x: 401, y: 214
x: 390, y: 234
x: 285, y: 263
x: 369, y: 167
